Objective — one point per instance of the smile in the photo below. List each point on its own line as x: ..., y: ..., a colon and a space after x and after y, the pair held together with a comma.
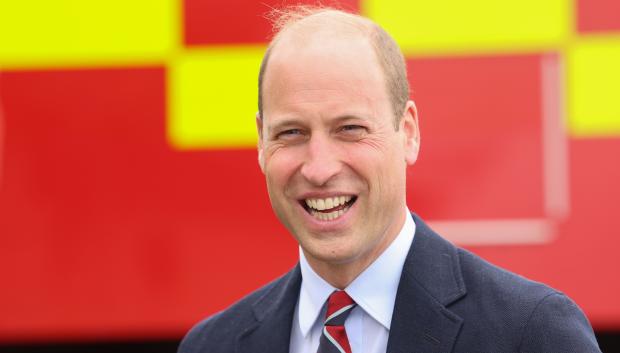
x: 329, y: 208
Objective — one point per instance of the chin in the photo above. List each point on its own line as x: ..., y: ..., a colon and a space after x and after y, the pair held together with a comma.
x: 330, y: 253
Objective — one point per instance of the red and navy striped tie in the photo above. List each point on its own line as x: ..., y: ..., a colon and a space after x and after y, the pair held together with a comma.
x: 334, y: 338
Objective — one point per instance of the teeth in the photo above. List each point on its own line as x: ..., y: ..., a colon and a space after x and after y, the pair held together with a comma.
x: 327, y: 203
x: 317, y: 205
x: 328, y: 216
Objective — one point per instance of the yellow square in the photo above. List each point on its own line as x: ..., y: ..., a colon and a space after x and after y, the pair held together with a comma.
x: 68, y: 32
x: 594, y: 87
x: 475, y: 25
x: 212, y: 96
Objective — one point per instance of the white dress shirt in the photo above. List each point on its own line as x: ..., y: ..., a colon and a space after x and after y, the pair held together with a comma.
x: 374, y: 291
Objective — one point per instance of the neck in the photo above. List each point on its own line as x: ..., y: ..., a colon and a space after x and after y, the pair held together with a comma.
x: 338, y: 275
x: 341, y: 274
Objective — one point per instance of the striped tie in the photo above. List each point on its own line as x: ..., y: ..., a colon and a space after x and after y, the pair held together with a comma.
x: 334, y: 338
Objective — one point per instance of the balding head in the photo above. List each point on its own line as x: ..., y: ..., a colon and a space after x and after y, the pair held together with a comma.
x: 301, y: 26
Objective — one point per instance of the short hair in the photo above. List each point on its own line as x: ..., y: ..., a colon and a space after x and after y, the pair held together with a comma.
x: 388, y: 53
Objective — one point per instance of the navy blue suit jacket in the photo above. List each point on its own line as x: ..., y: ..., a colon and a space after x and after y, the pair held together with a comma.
x: 448, y: 300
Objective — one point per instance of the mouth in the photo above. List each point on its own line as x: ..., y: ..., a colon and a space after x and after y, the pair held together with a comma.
x: 329, y: 208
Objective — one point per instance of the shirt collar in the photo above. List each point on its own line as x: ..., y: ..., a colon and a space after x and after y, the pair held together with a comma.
x: 374, y: 290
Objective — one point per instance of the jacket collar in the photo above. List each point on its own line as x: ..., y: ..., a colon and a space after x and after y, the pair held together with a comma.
x: 273, y: 312
x: 431, y: 280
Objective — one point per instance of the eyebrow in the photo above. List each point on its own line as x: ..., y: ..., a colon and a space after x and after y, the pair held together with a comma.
x: 351, y: 117
x: 284, y: 123
x: 289, y: 122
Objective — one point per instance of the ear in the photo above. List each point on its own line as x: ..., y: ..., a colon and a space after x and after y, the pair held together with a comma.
x: 259, y: 128
x: 409, y: 124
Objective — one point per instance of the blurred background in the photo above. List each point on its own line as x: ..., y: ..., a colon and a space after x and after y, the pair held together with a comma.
x: 129, y: 188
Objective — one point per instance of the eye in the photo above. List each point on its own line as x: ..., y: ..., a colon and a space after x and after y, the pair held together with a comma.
x: 353, y: 131
x: 348, y: 128
x: 289, y: 134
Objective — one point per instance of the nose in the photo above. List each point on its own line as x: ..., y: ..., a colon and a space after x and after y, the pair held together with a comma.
x: 322, y: 162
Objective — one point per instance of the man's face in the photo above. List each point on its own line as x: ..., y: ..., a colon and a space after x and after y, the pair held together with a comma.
x: 334, y: 163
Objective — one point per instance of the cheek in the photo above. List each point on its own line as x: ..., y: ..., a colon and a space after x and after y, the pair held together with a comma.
x: 366, y: 162
x: 280, y: 168
x: 383, y: 173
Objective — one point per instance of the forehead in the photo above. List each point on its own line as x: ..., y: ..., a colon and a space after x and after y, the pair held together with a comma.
x: 322, y: 69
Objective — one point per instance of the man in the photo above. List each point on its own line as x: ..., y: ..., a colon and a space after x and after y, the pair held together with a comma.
x: 336, y: 133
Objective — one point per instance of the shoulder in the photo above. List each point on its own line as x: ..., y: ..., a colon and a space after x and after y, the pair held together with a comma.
x: 534, y: 316
x: 557, y: 322
x: 496, y: 297
x: 486, y: 281
x: 219, y: 332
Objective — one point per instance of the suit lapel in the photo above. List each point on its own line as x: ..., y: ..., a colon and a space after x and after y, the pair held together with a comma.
x: 421, y: 323
x: 431, y: 280
x: 273, y: 312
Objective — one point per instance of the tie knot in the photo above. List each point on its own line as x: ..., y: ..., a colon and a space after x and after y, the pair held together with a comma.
x: 339, y: 305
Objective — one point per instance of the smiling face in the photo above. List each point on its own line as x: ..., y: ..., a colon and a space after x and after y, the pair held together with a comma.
x: 334, y: 163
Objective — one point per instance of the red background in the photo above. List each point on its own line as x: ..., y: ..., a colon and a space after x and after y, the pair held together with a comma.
x: 108, y: 232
